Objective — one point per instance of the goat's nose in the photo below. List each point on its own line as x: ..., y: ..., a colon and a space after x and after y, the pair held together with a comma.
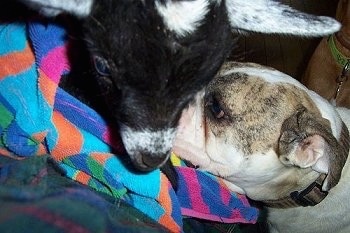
x: 151, y: 161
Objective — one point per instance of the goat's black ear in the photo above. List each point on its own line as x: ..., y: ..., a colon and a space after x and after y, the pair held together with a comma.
x: 79, y: 8
x: 269, y: 16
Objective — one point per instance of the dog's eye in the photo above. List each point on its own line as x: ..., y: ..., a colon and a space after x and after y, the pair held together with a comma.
x: 101, y: 65
x: 216, y: 109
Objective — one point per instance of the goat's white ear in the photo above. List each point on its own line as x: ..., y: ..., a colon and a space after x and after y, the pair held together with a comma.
x: 79, y: 8
x: 268, y: 16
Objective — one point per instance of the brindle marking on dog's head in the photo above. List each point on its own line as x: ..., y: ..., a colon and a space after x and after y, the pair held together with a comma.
x: 254, y: 110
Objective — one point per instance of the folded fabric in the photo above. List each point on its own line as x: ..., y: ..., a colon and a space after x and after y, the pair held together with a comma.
x: 37, y: 117
x: 35, y: 197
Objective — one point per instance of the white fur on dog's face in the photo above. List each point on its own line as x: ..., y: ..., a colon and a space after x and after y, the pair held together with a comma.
x: 241, y: 143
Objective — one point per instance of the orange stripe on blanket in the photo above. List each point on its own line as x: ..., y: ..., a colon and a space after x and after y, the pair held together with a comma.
x: 48, y: 87
x: 165, y: 200
x: 101, y: 158
x: 16, y: 62
x: 69, y: 139
x: 39, y: 138
x: 4, y: 152
x: 82, y: 177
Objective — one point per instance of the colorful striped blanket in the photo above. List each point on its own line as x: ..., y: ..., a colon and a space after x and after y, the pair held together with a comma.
x: 37, y: 117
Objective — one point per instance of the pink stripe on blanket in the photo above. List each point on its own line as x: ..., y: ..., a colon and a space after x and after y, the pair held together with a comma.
x: 237, y: 214
x: 113, y: 140
x: 224, y: 193
x: 236, y: 217
x: 55, y: 63
x: 195, y: 195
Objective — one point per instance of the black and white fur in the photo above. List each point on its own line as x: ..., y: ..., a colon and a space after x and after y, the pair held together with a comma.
x: 157, y: 54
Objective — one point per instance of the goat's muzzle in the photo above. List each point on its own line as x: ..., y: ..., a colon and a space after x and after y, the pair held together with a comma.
x: 148, y: 149
x: 145, y: 161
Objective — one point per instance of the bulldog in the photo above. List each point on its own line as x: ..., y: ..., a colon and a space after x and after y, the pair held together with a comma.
x: 275, y: 141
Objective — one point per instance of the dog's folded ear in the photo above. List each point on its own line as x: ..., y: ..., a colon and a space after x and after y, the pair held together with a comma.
x: 306, y: 141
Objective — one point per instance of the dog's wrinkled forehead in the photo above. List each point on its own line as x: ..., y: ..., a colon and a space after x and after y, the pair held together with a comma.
x: 244, y: 78
x: 280, y: 84
x: 255, y: 105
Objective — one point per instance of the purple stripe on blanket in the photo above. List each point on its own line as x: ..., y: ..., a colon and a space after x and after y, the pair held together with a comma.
x: 86, y: 118
x: 45, y: 37
x: 204, y: 197
x: 79, y: 114
x: 192, y: 190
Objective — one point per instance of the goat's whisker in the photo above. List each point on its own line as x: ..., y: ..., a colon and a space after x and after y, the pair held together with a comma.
x: 98, y: 22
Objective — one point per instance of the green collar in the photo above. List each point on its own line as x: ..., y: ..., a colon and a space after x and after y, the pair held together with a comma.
x: 338, y: 56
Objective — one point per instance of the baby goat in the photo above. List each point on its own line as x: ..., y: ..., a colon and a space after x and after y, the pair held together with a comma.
x: 155, y: 55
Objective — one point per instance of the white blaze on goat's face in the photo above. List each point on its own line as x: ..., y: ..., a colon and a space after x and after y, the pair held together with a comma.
x: 147, y: 146
x: 183, y: 17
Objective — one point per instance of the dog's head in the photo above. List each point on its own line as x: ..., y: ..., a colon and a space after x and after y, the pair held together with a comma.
x: 264, y: 132
x: 154, y: 55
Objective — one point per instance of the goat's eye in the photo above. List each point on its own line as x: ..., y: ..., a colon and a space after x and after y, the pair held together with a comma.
x: 101, y: 65
x: 215, y: 108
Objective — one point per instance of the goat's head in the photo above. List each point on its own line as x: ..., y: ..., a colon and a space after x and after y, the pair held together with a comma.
x: 154, y: 55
